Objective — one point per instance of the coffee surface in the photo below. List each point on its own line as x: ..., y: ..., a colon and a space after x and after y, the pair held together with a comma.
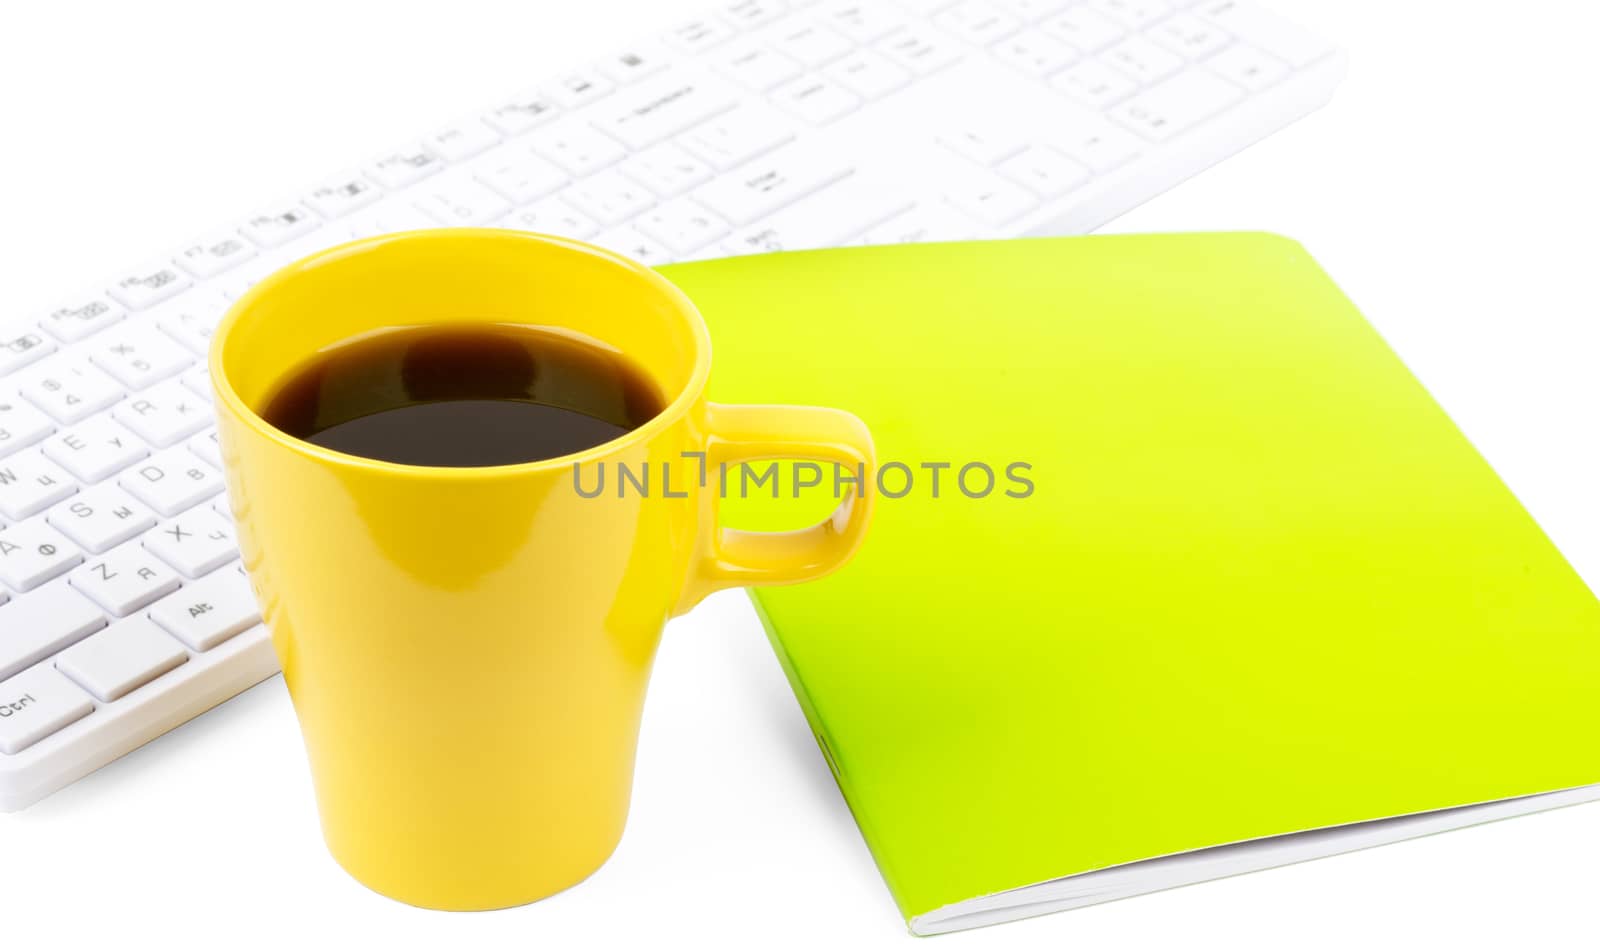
x: 489, y: 394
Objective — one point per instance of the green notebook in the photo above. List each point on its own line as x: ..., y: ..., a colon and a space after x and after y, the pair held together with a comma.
x: 1261, y: 585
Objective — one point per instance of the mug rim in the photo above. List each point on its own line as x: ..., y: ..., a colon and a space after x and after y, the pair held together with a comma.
x: 675, y: 409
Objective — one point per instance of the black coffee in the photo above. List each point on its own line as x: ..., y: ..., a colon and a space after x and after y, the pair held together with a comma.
x: 487, y: 394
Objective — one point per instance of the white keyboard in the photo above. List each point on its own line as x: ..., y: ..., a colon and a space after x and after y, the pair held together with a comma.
x: 762, y: 126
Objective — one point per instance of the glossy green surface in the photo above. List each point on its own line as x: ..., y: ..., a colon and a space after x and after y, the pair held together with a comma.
x: 1263, y: 584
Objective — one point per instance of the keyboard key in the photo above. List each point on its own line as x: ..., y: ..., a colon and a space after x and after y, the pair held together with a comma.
x: 662, y: 107
x: 523, y: 114
x: 21, y: 425
x: 30, y: 483
x: 576, y: 147
x: 978, y: 22
x: 1249, y: 67
x: 462, y: 141
x: 518, y: 175
x: 101, y: 518
x: 1266, y: 30
x: 33, y: 552
x: 810, y: 44
x: 1035, y: 54
x: 94, y: 449
x: 862, y: 22
x: 698, y: 35
x: 1133, y: 14
x: 983, y: 141
x: 1177, y: 104
x: 990, y: 198
x: 926, y: 222
x: 738, y: 136
x: 196, y: 542
x: 576, y: 90
x: 295, y: 251
x: 121, y: 658
x: 235, y: 283
x: 341, y: 195
x: 404, y: 167
x: 126, y: 579
x: 210, y: 611
x: 455, y: 200
x: 868, y: 74
x: 78, y: 320
x: 1143, y: 60
x: 68, y: 387
x: 139, y: 354
x: 21, y: 345
x: 1044, y: 171
x: 764, y: 186
x: 815, y: 99
x: 552, y: 216
x: 191, y: 318
x: 919, y: 50
x: 198, y: 381
x: 215, y: 254
x: 1084, y: 29
x: 149, y: 286
x: 279, y: 226
x: 36, y: 705
x: 206, y: 447
x: 756, y: 66
x: 635, y: 62
x: 682, y: 226
x: 630, y: 243
x: 164, y: 414
x: 666, y: 169
x: 42, y: 623
x: 1189, y: 36
x: 609, y: 197
x: 171, y: 481
x: 1033, y: 11
x: 1095, y: 84
x: 299, y: 249
x: 1097, y: 144
x: 832, y: 217
x: 747, y: 14
x: 387, y: 217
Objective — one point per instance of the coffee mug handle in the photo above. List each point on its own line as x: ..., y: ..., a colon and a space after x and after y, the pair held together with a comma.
x: 728, y: 557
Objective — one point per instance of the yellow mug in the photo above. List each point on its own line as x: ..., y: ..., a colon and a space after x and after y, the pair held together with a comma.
x: 467, y: 648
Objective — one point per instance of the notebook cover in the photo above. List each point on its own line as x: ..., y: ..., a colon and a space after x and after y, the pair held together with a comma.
x: 1262, y: 584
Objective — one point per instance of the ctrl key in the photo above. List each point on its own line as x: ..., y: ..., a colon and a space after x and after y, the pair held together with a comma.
x: 37, y: 704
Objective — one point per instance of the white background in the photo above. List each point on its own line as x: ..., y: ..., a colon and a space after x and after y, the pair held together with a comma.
x: 1450, y: 188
